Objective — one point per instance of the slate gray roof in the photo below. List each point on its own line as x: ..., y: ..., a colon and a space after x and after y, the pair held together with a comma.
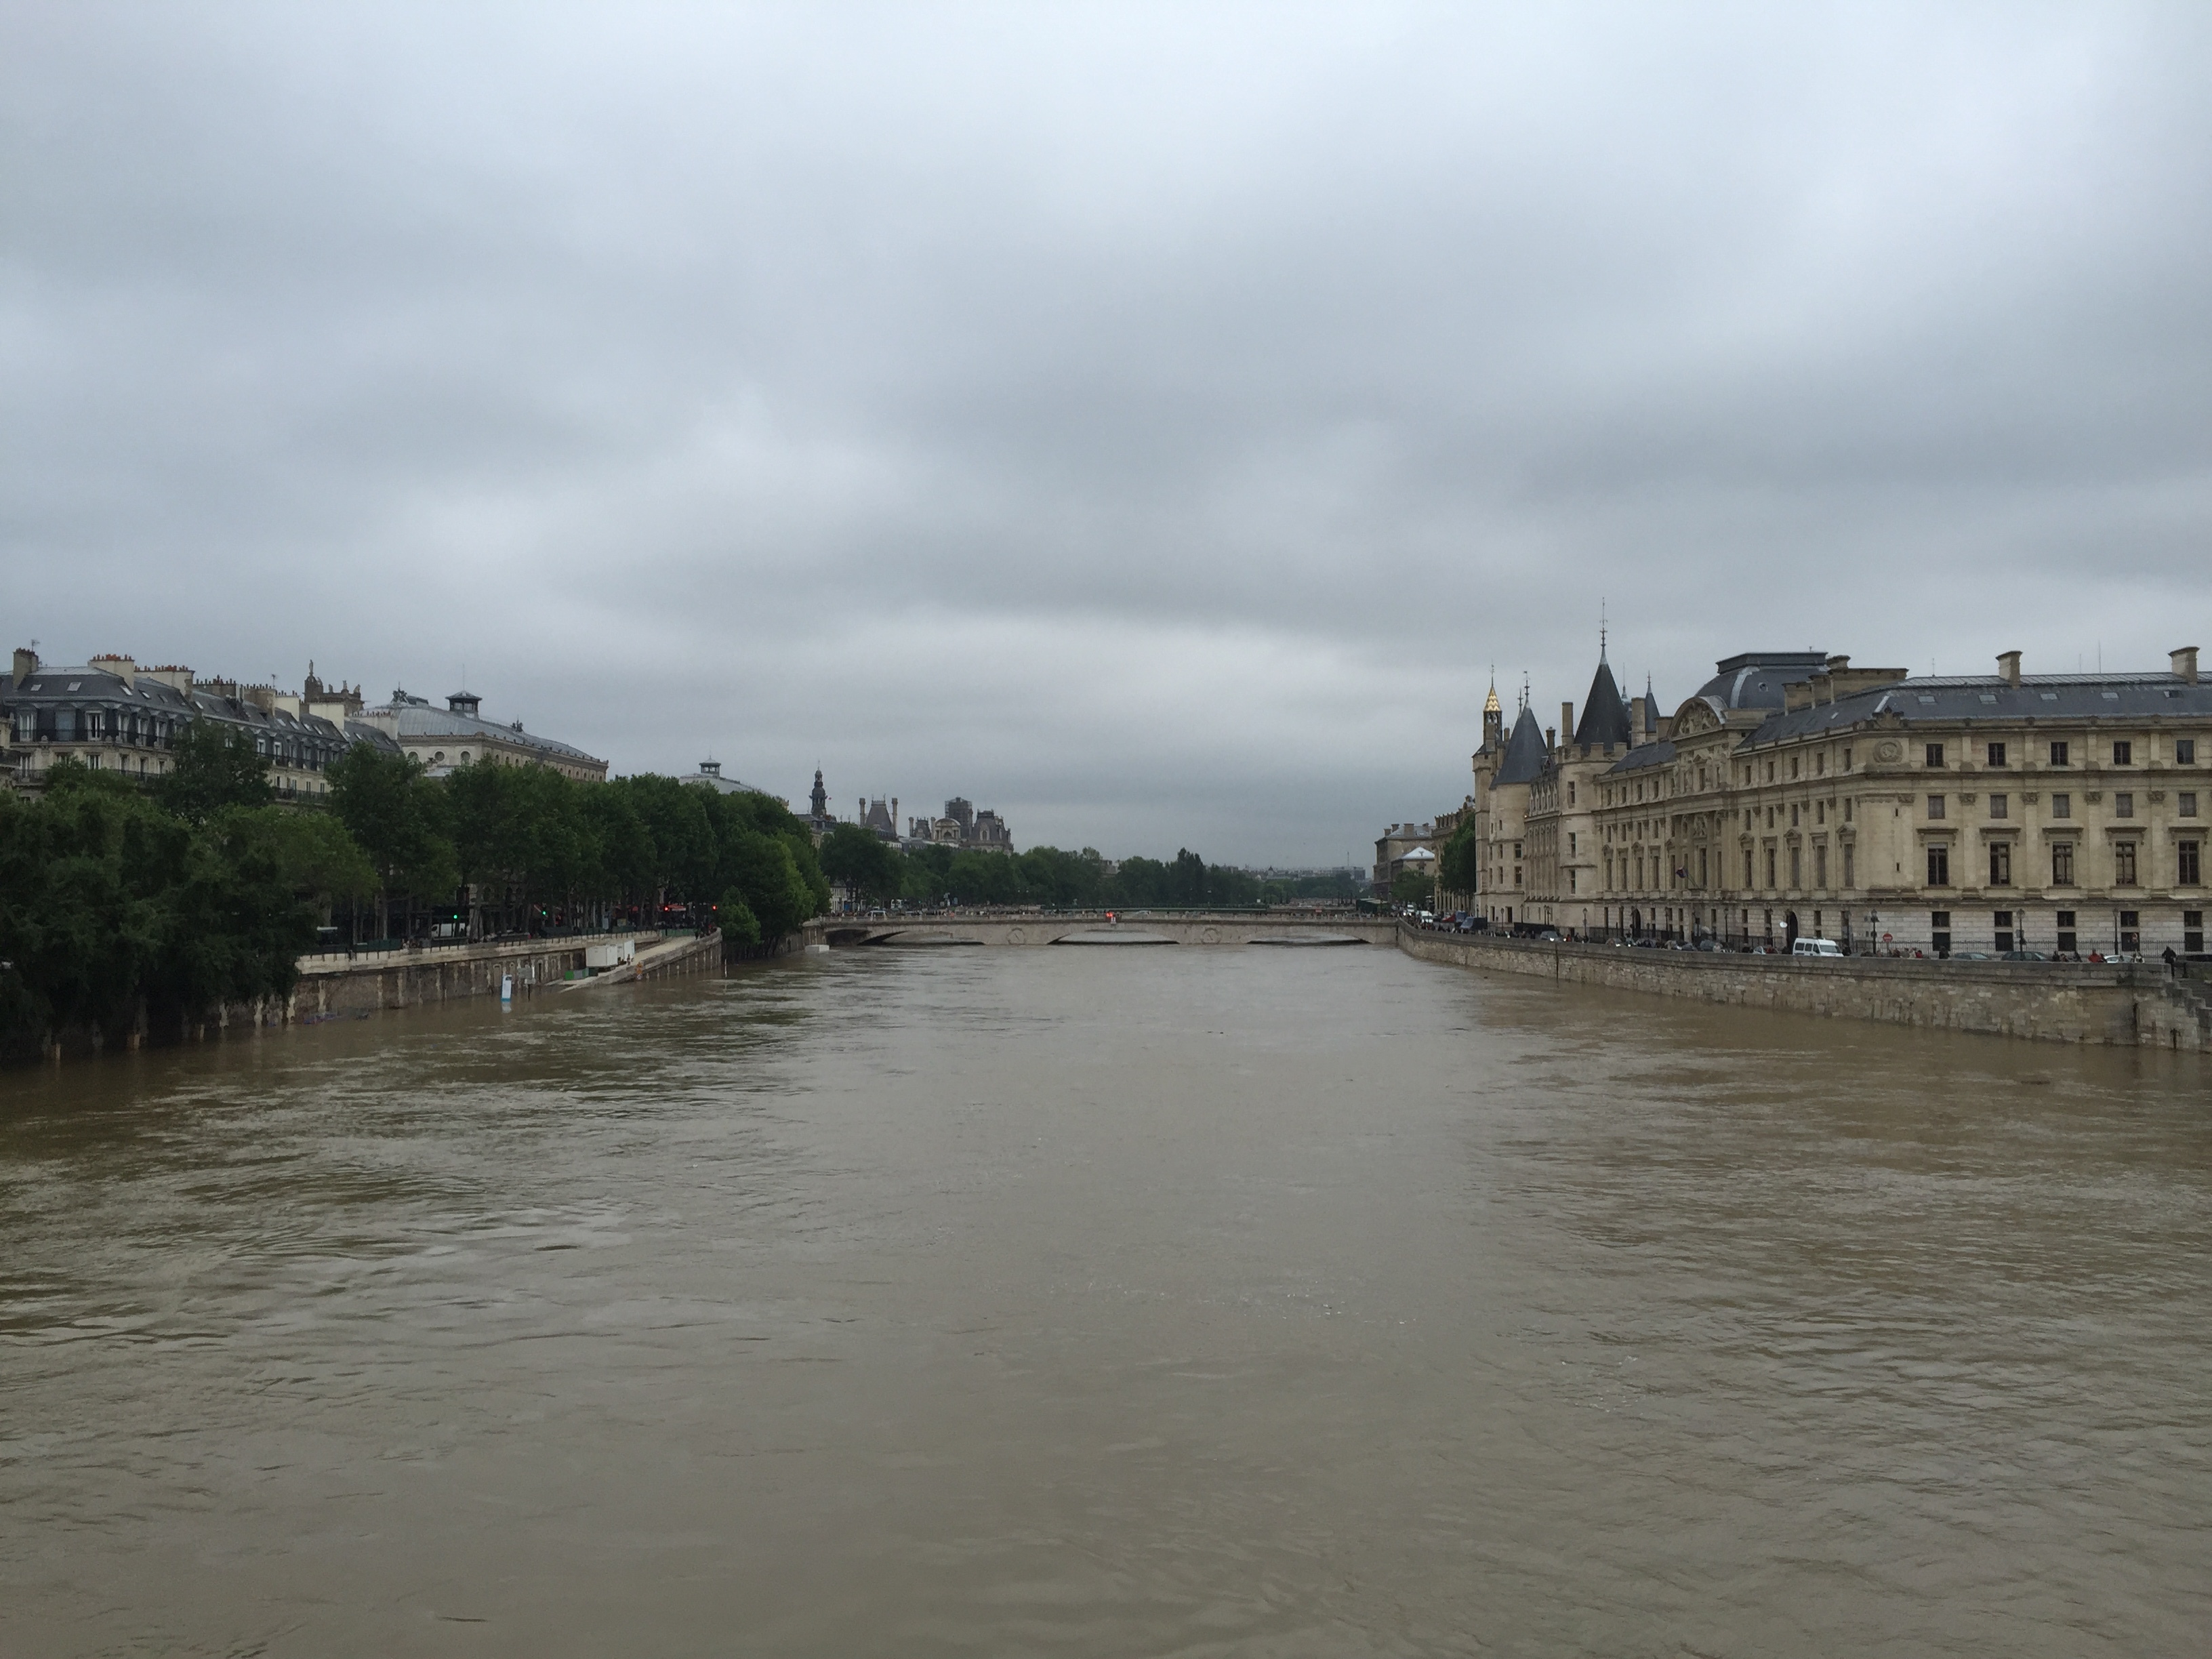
x: 2065, y: 699
x: 1524, y: 751
x: 420, y: 720
x: 1605, y: 717
x: 1643, y: 758
x: 375, y: 737
x: 58, y: 686
x: 1754, y: 679
x: 709, y: 773
x: 51, y: 688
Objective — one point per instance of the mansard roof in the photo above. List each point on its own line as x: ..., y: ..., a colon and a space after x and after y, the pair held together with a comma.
x: 1605, y: 717
x: 1524, y: 751
x: 1950, y: 699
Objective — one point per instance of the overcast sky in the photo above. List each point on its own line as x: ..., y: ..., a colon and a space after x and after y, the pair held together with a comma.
x: 1151, y: 423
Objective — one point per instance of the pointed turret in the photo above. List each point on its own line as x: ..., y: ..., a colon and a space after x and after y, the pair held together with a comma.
x: 1525, y: 753
x: 1605, y: 718
x: 1493, y: 717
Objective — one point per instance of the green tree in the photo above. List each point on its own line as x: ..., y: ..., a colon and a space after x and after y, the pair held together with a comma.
x: 395, y: 815
x: 115, y: 911
x: 1139, y: 883
x: 1415, y: 887
x: 213, y: 765
x: 1457, y: 866
x: 1064, y: 880
x: 853, y: 857
x: 81, y: 919
x: 926, y: 875
x: 765, y: 876
x: 621, y: 848
x: 312, y: 854
x: 975, y: 877
x: 734, y: 916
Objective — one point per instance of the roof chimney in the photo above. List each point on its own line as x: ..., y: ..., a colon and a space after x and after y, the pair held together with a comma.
x: 2184, y: 665
x: 27, y: 664
x: 2009, y: 666
x: 1566, y: 722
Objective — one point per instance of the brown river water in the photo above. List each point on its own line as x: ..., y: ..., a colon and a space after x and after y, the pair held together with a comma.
x: 1107, y: 1302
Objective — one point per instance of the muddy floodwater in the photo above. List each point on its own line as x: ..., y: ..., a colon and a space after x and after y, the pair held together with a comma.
x: 1171, y: 1302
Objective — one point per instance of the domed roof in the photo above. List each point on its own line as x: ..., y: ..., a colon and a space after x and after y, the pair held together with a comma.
x: 1754, y: 679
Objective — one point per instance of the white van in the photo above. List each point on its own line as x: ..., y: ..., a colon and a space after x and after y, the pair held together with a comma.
x: 1816, y: 947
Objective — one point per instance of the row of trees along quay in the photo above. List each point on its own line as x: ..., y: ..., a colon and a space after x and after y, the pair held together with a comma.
x: 142, y: 910
x: 877, y: 872
x: 133, y: 910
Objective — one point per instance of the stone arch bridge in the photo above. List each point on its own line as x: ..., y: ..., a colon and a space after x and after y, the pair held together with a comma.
x: 1201, y: 927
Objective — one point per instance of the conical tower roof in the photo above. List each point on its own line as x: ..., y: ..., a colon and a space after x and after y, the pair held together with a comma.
x: 1524, y: 751
x: 1650, y: 708
x: 1490, y: 704
x: 1605, y: 717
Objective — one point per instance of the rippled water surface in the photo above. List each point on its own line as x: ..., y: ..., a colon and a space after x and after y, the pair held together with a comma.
x: 1107, y: 1302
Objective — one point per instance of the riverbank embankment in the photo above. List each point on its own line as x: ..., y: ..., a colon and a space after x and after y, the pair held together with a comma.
x: 333, y: 985
x: 2109, y: 1003
x: 691, y: 955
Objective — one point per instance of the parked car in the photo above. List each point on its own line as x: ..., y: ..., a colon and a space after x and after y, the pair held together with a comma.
x: 1816, y: 947
x: 1549, y: 936
x: 2025, y: 955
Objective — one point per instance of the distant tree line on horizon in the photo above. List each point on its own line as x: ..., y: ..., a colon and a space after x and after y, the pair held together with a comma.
x: 878, y: 872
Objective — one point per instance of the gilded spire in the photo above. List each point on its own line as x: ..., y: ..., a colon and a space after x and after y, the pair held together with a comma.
x: 1490, y: 705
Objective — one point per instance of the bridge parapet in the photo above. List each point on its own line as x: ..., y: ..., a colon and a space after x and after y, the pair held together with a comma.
x: 1022, y: 930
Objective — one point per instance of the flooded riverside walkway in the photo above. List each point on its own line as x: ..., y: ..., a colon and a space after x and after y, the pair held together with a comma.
x: 1283, y: 1303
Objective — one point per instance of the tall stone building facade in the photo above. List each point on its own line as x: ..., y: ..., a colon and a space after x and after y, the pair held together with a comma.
x: 1535, y: 800
x: 1796, y: 795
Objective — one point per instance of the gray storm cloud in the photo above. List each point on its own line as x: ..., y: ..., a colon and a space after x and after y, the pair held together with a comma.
x: 1152, y: 423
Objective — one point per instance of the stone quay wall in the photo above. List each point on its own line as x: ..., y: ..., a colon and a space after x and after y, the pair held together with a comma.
x: 2127, y: 1003
x: 335, y: 984
x: 702, y: 955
